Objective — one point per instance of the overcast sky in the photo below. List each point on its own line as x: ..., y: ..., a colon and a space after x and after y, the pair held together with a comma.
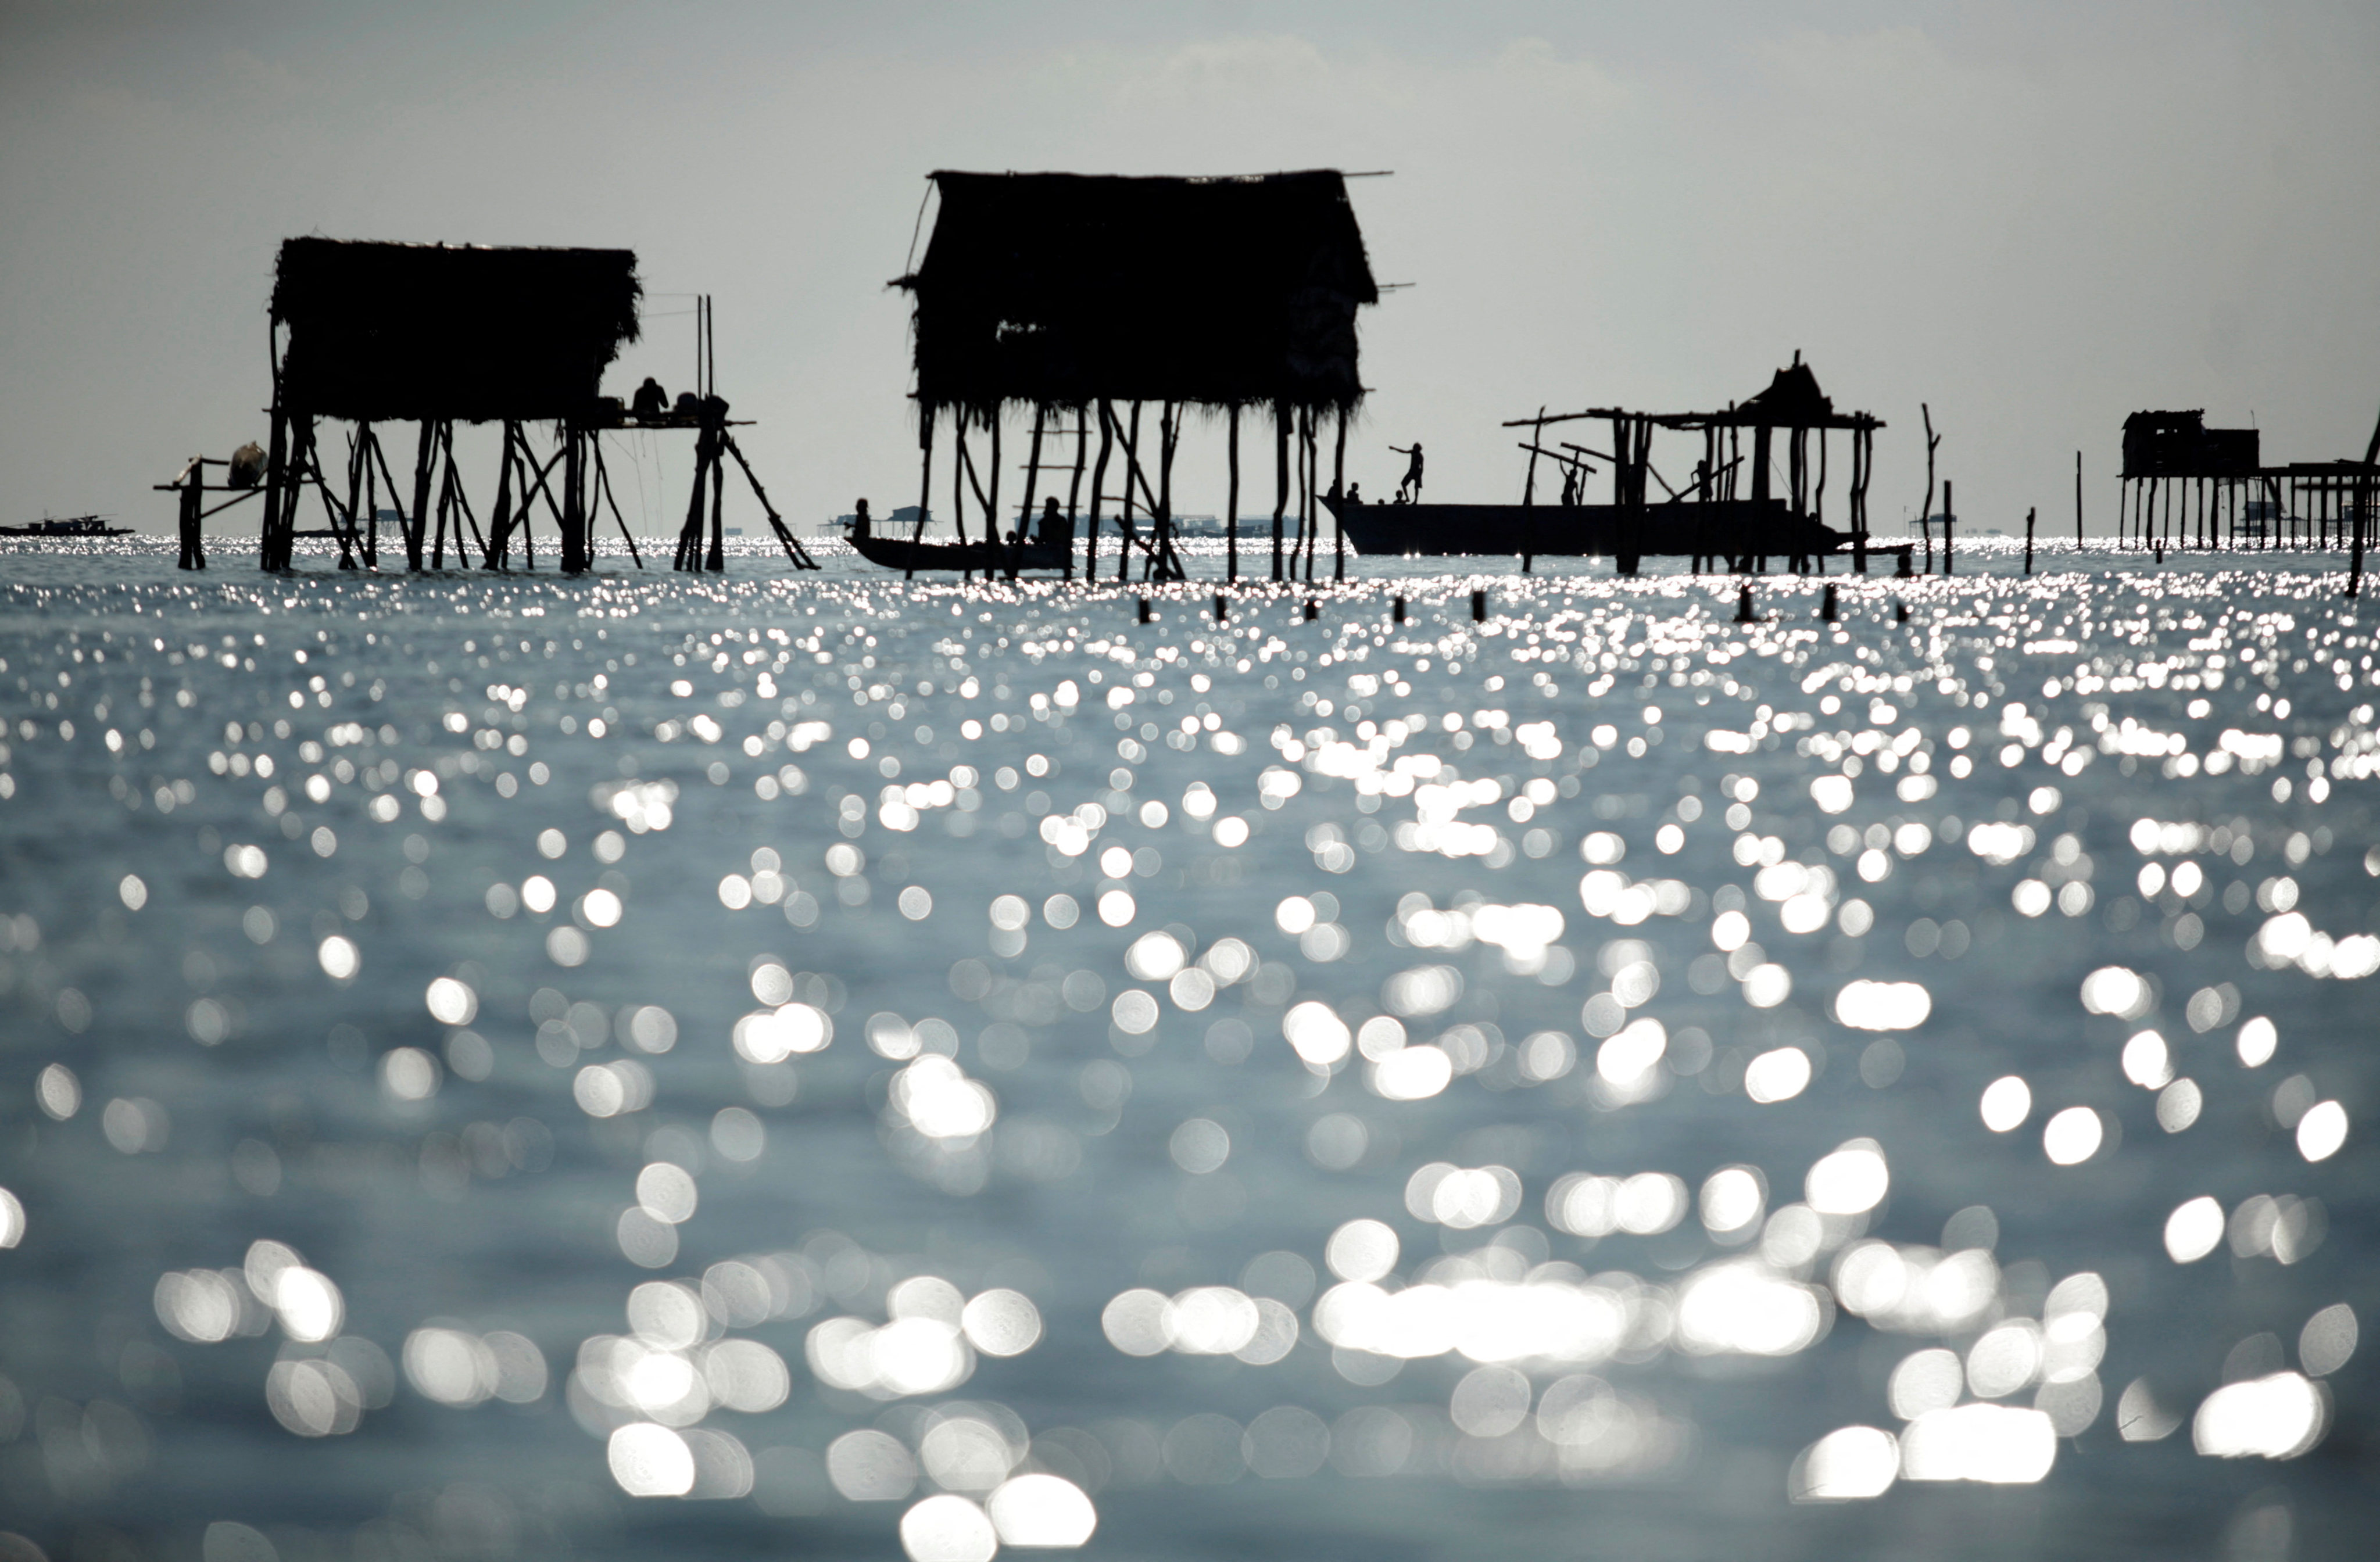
x: 2035, y: 217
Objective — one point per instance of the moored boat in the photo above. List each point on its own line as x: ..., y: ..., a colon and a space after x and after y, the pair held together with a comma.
x: 77, y: 526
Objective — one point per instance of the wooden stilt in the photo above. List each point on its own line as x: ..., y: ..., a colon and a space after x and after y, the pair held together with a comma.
x: 1099, y: 490
x: 1032, y: 486
x: 1231, y: 502
x: 1281, y: 416
x: 1338, y: 493
x: 1074, y: 486
x: 992, y: 501
x: 498, y: 548
x: 1130, y: 472
x: 357, y: 463
x: 960, y: 476
x: 716, y: 560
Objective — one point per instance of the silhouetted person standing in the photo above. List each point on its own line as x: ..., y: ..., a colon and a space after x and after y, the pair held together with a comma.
x: 1409, y: 487
x: 859, y: 519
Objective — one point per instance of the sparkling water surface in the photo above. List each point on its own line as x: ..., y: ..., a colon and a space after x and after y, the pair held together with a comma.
x: 820, y: 1065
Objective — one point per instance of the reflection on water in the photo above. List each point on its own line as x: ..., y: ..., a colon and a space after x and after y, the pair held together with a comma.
x: 503, y: 1067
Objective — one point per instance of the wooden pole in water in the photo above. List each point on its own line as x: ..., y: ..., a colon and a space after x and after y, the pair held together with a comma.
x: 1338, y: 493
x: 1099, y: 487
x: 1232, y: 504
x: 2028, y: 541
x: 1949, y: 524
x: 960, y: 461
x: 1131, y: 474
x: 1280, y: 479
x: 1529, y: 493
x: 992, y: 501
x: 1074, y: 488
x: 1032, y: 483
x: 714, y: 415
x: 2078, y: 502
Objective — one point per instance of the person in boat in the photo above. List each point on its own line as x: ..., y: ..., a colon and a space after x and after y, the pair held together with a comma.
x: 1409, y: 487
x: 1354, y: 493
x: 1057, y: 529
x: 650, y: 400
x: 859, y: 521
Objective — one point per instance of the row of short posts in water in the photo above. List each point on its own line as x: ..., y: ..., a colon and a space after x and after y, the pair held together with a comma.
x: 1747, y: 611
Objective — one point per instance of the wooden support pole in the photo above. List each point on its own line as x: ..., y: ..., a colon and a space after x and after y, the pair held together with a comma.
x: 992, y: 501
x: 1131, y: 470
x: 690, y: 535
x: 1338, y: 494
x: 357, y: 463
x: 718, y: 556
x: 1099, y: 487
x: 1949, y: 524
x: 1032, y: 482
x: 1529, y: 496
x: 498, y: 547
x: 1280, y: 479
x: 1232, y: 504
x: 2028, y: 541
x: 961, y: 474
x: 1166, y: 565
x: 1074, y: 488
x: 2078, y: 502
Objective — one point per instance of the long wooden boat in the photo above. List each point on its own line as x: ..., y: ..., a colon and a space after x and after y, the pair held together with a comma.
x: 901, y: 553
x: 69, y: 528
x: 1733, y: 527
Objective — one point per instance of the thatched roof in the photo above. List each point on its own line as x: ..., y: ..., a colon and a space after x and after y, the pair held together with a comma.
x: 432, y: 331
x: 1058, y: 288
x: 2179, y: 444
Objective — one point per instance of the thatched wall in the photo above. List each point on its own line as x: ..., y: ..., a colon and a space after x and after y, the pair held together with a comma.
x: 425, y: 331
x: 1058, y: 288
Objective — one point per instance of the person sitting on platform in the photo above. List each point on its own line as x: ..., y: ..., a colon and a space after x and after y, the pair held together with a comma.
x: 1411, y: 479
x: 651, y: 401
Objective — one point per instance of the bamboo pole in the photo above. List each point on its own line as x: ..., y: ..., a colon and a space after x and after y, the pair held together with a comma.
x: 1339, y: 492
x: 1131, y: 470
x: 1074, y: 487
x: 1032, y: 482
x: 1281, y: 416
x: 357, y: 463
x: 1099, y: 487
x: 924, y: 481
x: 991, y: 504
x: 1529, y: 495
x: 1232, y: 504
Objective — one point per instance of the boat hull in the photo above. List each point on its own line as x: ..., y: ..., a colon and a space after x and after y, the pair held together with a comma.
x: 900, y: 553
x: 1725, y: 528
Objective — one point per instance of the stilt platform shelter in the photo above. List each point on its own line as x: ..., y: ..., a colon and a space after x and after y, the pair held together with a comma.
x: 2185, y: 485
x: 1728, y: 506
x: 435, y: 335
x: 1084, y: 299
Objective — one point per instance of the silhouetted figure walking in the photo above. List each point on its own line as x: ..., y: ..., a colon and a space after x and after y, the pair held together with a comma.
x: 1408, y: 486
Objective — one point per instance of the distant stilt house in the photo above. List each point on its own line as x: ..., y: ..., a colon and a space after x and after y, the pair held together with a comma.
x: 1083, y: 299
x: 436, y: 334
x: 2185, y: 485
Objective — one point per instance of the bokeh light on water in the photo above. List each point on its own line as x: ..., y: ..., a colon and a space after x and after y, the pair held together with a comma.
x: 501, y: 1067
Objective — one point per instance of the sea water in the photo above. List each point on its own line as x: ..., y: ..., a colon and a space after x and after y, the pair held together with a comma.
x: 816, y: 1064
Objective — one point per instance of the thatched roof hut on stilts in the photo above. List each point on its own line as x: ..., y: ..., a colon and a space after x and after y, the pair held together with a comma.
x: 436, y: 334
x: 1084, y: 297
